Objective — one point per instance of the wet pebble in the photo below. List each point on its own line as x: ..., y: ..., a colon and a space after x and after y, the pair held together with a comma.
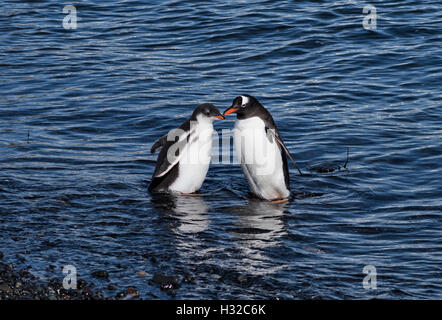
x: 23, y: 285
x: 111, y: 287
x: 132, y: 292
x: 142, y: 273
x: 166, y: 282
x: 242, y: 278
x: 103, y: 274
x: 171, y: 293
x: 81, y: 283
x: 5, y: 288
x: 216, y: 276
x: 50, y: 268
x: 188, y: 279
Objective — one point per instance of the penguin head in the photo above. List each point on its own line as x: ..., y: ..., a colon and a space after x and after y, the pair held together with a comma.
x: 243, y: 105
x: 206, y: 111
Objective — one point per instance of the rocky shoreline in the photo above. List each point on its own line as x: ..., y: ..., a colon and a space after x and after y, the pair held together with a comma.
x: 23, y: 285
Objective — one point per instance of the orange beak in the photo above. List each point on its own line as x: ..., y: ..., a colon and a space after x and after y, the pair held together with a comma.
x: 230, y: 110
x: 220, y: 117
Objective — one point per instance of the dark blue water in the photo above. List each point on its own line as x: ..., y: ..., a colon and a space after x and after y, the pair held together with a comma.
x: 80, y: 109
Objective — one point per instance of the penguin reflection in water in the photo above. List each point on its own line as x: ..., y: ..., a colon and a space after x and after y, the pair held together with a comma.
x: 184, y: 158
x: 260, y: 149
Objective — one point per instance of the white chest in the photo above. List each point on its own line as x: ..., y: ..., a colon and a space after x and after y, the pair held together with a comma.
x: 195, y: 160
x: 260, y: 159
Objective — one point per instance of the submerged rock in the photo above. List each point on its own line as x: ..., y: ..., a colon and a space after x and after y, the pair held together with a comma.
x: 166, y: 282
x: 142, y: 273
x: 23, y: 285
x: 100, y: 274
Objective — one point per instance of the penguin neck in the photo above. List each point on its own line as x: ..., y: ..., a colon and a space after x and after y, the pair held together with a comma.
x: 204, y: 124
x: 257, y: 111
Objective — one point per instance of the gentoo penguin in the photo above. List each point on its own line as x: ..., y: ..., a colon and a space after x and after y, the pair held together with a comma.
x: 185, y: 155
x: 260, y: 149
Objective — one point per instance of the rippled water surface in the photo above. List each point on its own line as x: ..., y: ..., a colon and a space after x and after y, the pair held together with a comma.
x: 80, y: 109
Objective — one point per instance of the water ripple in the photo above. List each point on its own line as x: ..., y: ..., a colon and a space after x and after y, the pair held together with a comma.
x: 81, y: 108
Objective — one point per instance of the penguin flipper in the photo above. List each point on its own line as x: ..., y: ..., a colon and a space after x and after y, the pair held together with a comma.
x: 273, y: 133
x: 159, y: 143
x: 171, y: 154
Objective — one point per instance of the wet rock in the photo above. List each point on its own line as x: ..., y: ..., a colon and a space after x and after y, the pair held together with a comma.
x: 103, y: 274
x: 81, y: 283
x: 188, y: 279
x: 145, y: 255
x: 4, y: 288
x: 87, y: 291
x: 50, y: 268
x: 166, y: 282
x: 49, y: 244
x: 111, y: 287
x: 171, y: 293
x: 132, y: 293
x: 142, y: 273
x: 216, y: 276
x: 25, y: 274
x: 322, y: 169
x: 23, y: 285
